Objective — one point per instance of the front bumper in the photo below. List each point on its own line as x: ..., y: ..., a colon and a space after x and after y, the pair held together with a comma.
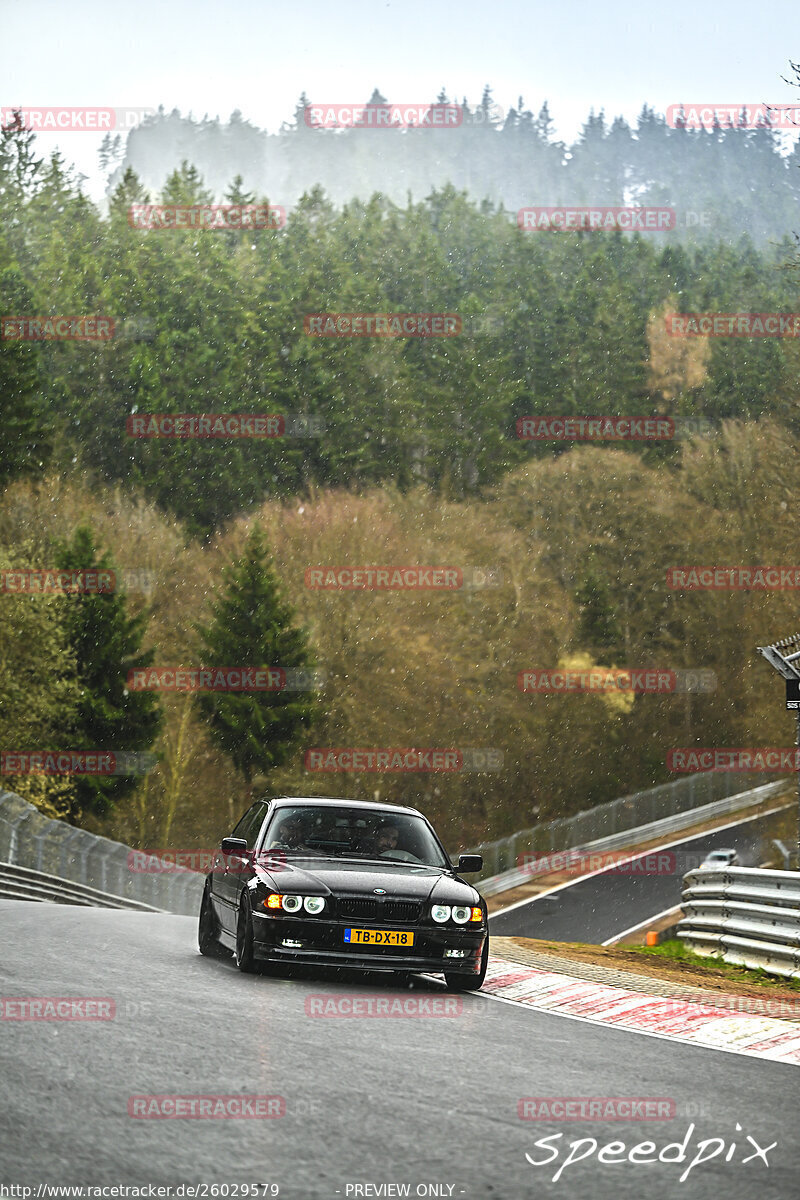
x: 321, y: 942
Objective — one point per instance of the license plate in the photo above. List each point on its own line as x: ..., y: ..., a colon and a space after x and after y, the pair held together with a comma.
x: 379, y: 937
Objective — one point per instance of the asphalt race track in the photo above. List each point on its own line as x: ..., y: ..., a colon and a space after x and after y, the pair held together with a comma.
x: 602, y: 906
x: 372, y: 1101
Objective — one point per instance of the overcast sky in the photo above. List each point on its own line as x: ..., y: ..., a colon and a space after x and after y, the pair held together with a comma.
x: 258, y: 55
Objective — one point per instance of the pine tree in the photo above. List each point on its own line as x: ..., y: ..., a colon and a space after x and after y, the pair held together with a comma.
x: 24, y: 443
x: 106, y: 642
x: 252, y: 626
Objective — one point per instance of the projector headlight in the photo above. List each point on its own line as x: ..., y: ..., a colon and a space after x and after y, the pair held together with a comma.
x: 292, y: 903
x: 461, y: 914
x: 440, y: 913
x: 314, y: 904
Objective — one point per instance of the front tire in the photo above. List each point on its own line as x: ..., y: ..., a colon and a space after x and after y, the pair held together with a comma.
x: 208, y: 942
x: 244, y: 936
x: 457, y: 981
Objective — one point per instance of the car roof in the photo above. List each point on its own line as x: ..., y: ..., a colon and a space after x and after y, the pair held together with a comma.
x: 343, y: 801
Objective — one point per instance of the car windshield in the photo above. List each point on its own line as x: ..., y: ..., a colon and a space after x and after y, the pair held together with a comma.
x: 353, y: 833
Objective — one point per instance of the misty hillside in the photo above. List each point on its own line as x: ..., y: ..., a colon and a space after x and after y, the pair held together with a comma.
x: 721, y: 183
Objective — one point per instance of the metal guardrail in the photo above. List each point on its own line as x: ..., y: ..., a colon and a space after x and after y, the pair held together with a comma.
x: 20, y: 883
x: 616, y: 816
x: 32, y: 841
x: 640, y: 834
x: 744, y: 915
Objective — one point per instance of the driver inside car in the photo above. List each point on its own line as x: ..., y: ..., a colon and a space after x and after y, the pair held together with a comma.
x: 386, y: 839
x: 289, y: 836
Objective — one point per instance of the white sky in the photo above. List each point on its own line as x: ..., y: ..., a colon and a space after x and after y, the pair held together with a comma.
x: 212, y: 56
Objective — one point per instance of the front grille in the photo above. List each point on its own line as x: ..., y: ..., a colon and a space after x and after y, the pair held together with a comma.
x: 402, y: 910
x: 364, y: 909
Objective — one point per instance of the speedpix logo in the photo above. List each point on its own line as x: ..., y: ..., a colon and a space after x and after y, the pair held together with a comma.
x: 616, y: 1153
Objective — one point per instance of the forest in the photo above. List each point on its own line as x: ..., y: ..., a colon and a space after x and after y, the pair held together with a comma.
x: 393, y: 452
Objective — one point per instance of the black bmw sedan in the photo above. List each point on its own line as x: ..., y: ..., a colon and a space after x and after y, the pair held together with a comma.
x: 344, y: 883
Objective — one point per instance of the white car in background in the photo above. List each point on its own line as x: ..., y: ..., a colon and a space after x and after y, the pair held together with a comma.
x: 720, y: 858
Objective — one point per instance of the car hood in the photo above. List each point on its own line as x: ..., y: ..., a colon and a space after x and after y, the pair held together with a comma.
x: 408, y: 880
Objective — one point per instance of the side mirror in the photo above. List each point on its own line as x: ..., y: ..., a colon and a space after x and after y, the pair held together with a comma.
x: 470, y: 862
x: 234, y: 846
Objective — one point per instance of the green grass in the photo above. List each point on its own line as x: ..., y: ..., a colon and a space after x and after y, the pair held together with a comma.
x: 677, y: 950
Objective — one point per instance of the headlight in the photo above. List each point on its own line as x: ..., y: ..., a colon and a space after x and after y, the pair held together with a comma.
x: 314, y: 904
x: 292, y: 903
x: 461, y: 914
x: 440, y: 913
x: 477, y: 914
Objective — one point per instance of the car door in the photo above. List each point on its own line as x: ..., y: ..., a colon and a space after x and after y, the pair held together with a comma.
x: 230, y: 870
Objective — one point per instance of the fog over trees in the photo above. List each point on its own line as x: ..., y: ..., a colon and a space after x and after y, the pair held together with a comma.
x: 722, y: 182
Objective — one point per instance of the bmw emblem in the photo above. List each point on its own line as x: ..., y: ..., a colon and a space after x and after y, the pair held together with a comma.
x: 379, y: 892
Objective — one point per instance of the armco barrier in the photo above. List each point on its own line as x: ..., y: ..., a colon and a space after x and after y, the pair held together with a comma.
x: 20, y: 883
x: 645, y: 833
x: 30, y: 840
x: 745, y: 915
x: 616, y: 816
